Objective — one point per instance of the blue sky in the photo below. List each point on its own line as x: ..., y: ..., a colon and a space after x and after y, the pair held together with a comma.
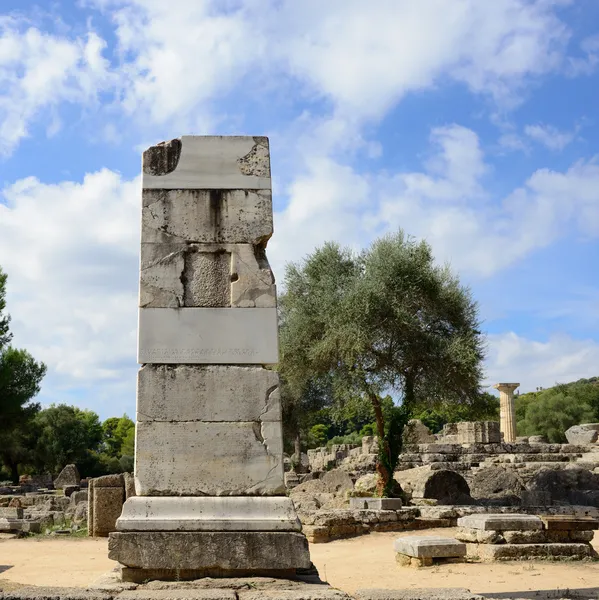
x: 472, y: 124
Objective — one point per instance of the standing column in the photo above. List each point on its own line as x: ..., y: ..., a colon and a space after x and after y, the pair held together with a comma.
x: 507, y: 414
x: 208, y: 451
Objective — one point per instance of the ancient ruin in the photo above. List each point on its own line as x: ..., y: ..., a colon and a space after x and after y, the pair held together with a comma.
x: 209, y: 455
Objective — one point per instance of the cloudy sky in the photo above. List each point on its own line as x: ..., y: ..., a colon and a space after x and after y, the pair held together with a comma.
x: 473, y: 124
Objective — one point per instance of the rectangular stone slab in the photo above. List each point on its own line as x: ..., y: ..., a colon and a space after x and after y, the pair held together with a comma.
x: 207, y: 393
x: 501, y: 522
x: 490, y: 552
x: 376, y: 503
x: 208, y: 335
x: 429, y: 547
x: 233, y: 513
x: 566, y: 522
x: 208, y: 459
x: 227, y: 550
x: 206, y: 216
x: 216, y: 162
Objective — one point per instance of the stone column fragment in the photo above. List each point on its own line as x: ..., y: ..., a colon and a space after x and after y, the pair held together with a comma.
x: 209, y: 446
x: 507, y: 413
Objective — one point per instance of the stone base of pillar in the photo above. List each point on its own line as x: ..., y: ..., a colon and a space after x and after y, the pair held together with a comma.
x: 195, y: 554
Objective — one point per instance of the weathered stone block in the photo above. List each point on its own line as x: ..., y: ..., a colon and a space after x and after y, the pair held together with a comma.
x: 208, y: 162
x: 10, y: 512
x: 207, y: 393
x: 68, y: 476
x: 210, y: 550
x: 217, y: 459
x: 376, y: 503
x: 570, y: 523
x: 434, y: 547
x: 490, y: 552
x: 107, y: 507
x: 205, y: 275
x: 206, y: 216
x: 208, y: 335
x: 583, y: 434
x: 208, y: 513
x: 501, y: 522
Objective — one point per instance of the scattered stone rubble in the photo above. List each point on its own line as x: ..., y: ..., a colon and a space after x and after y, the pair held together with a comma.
x: 494, y: 537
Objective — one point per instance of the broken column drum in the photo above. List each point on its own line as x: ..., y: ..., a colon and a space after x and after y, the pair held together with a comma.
x: 209, y: 451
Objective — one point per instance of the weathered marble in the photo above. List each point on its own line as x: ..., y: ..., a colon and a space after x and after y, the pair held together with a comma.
x: 207, y: 393
x: 208, y: 162
x: 208, y: 513
x: 208, y: 336
x: 216, y: 459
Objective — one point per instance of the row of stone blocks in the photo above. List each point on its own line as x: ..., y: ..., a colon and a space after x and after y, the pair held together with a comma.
x: 502, y: 537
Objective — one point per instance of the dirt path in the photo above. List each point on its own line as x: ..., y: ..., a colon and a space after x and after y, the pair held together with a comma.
x: 49, y: 561
x: 369, y: 562
x: 363, y: 562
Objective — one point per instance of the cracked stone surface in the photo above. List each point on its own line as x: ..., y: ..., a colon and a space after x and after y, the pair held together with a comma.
x: 207, y: 393
x: 206, y: 216
x: 205, y: 275
x: 208, y: 458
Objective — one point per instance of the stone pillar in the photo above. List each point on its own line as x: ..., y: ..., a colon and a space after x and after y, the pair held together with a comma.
x: 507, y: 416
x: 209, y: 451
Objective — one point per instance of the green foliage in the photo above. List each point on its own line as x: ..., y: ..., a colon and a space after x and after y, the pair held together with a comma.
x: 115, y: 430
x: 352, y: 438
x: 20, y: 379
x: 355, y: 327
x: 65, y: 434
x: 318, y: 435
x: 368, y: 429
x: 552, y: 411
x: 390, y: 446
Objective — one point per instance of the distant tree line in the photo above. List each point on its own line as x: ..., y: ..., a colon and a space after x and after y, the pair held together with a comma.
x: 551, y: 411
x: 35, y: 440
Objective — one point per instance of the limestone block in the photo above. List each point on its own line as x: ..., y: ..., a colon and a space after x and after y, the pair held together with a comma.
x: 208, y: 162
x: 197, y: 513
x: 226, y: 550
x: 311, y: 592
x: 208, y: 335
x: 216, y: 459
x: 178, y: 594
x: 478, y: 536
x: 207, y: 393
x: 570, y: 523
x: 376, y: 503
x: 10, y: 512
x: 107, y: 507
x: 490, y: 552
x: 68, y: 476
x: 583, y: 434
x: 235, y: 216
x: 478, y: 432
x: 501, y: 522
x: 430, y: 547
x: 205, y: 275
x: 416, y: 432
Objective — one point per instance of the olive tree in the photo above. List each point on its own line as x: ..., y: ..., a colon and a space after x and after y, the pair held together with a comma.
x: 385, y: 320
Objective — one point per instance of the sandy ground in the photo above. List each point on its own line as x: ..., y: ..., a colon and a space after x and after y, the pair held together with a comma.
x: 362, y: 562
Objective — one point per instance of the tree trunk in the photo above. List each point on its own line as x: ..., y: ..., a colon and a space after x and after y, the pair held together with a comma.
x: 408, y: 399
x: 298, y: 445
x: 382, y: 468
x: 14, y: 473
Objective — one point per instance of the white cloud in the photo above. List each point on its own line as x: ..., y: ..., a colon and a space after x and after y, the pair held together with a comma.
x: 534, y: 364
x: 550, y: 136
x: 445, y: 203
x: 40, y: 70
x: 362, y: 57
x: 71, y: 254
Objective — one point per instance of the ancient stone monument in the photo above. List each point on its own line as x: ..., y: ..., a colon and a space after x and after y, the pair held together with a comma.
x: 507, y: 413
x: 209, y: 455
